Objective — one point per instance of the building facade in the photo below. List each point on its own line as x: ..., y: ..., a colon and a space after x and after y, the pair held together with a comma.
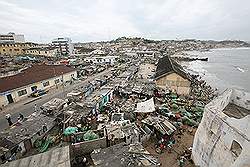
x: 12, y: 38
x: 223, y: 136
x: 171, y: 76
x: 20, y: 86
x: 47, y: 52
x: 13, y: 49
x: 64, y: 45
x: 101, y: 59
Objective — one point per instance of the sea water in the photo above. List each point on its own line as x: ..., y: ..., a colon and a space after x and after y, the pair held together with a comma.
x: 225, y: 68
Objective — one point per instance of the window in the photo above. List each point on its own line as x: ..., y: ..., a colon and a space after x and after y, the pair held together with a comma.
x: 22, y: 92
x: 46, y: 84
x: 57, y: 81
x: 3, y: 50
x: 72, y: 75
x: 236, y: 148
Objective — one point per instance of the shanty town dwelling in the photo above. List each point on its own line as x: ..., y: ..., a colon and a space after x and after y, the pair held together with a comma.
x: 222, y: 138
x: 170, y: 75
x: 20, y: 86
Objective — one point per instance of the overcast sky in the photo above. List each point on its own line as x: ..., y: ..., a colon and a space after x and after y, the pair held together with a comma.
x: 95, y: 20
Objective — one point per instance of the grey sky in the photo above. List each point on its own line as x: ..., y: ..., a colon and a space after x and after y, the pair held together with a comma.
x: 94, y: 20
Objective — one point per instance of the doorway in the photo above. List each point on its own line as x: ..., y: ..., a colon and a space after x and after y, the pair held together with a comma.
x: 27, y: 144
x: 33, y: 88
x: 10, y: 99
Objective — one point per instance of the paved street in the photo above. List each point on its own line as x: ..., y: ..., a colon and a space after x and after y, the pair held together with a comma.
x: 27, y: 109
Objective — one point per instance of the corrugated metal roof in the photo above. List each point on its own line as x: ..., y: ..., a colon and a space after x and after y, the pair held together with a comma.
x: 32, y: 75
x: 167, y: 66
x: 58, y: 157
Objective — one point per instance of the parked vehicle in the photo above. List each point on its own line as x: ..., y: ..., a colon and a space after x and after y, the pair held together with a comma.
x: 38, y: 93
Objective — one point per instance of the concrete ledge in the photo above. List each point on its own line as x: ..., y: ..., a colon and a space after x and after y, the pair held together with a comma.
x: 33, y: 100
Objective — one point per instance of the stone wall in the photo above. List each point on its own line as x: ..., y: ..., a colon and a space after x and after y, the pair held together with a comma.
x: 87, y: 147
x: 220, y: 140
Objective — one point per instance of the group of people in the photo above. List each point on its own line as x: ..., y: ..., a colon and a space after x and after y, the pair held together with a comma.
x: 8, y: 117
x: 20, y: 117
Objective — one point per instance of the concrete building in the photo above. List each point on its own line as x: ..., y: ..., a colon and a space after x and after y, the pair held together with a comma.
x: 222, y: 138
x: 12, y: 38
x: 13, y: 49
x: 64, y: 45
x: 170, y: 75
x: 102, y: 59
x: 47, y: 52
x: 17, y: 87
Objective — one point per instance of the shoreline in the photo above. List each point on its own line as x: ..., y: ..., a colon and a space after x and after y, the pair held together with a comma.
x: 216, y: 70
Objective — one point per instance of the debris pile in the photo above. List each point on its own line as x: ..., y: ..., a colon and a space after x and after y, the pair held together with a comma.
x: 124, y: 155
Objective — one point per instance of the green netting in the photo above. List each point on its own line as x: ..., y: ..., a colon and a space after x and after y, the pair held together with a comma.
x: 70, y: 130
x: 173, y: 96
x: 188, y: 121
x: 90, y: 135
x: 175, y: 107
x: 46, y: 144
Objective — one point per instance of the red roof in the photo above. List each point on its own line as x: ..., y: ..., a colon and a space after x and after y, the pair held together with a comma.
x: 31, y: 75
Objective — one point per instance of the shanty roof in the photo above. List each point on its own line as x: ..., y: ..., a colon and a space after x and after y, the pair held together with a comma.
x: 31, y: 75
x: 26, y: 129
x: 166, y: 65
x: 53, y: 158
x: 146, y: 106
x: 160, y: 123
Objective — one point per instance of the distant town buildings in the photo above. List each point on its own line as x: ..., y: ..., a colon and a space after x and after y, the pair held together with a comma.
x: 64, y: 45
x: 13, y: 49
x: 12, y: 38
x: 101, y: 59
x: 19, y: 86
x: 118, y: 76
x: 38, y: 51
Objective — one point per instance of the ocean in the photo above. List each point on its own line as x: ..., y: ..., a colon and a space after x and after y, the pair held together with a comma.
x: 225, y: 68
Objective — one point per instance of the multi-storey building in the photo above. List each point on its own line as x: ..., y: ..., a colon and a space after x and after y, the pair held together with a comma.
x: 13, y: 49
x: 12, y: 38
x: 64, y: 45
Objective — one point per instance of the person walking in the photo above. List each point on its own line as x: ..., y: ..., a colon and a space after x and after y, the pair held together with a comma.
x: 8, y: 117
x: 21, y: 117
x: 35, y: 108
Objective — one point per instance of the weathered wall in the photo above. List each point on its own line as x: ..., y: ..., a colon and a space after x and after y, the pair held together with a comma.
x: 212, y: 146
x: 87, y: 147
x: 175, y: 82
x: 11, y: 49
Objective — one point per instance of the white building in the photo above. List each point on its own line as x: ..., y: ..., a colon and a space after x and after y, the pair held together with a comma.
x: 64, y: 45
x: 47, y: 52
x: 17, y: 87
x: 97, y: 52
x: 102, y: 59
x: 222, y: 138
x: 12, y: 38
